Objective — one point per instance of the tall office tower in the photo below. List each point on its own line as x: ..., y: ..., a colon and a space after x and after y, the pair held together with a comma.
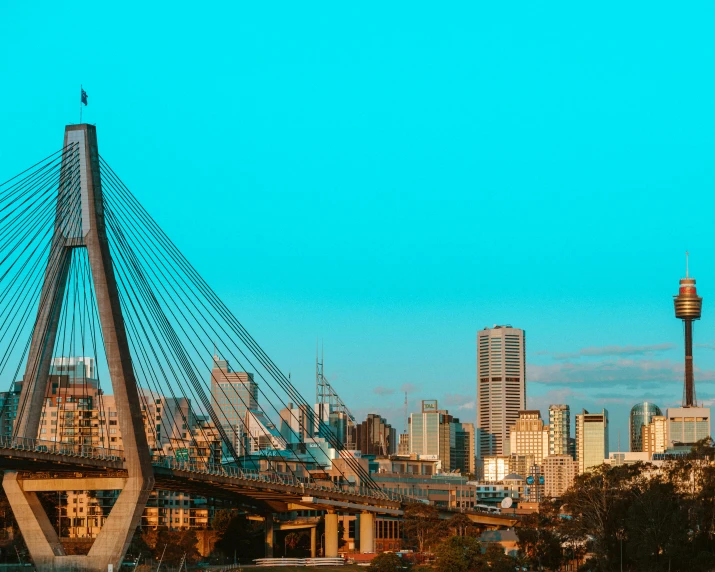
x: 591, y: 439
x: 688, y: 307
x: 641, y: 415
x: 374, y: 436
x: 529, y: 436
x: 464, y: 448
x: 655, y: 435
x: 233, y: 393
x: 559, y: 429
x: 432, y: 433
x: 501, y: 385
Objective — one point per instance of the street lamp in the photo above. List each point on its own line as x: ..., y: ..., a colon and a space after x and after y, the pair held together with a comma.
x: 620, y: 535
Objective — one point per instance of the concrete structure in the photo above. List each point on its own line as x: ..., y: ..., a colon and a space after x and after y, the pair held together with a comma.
x: 464, y: 447
x: 591, y: 439
x: 688, y: 307
x: 233, y: 393
x: 374, y: 436
x: 501, y: 386
x: 618, y: 458
x: 687, y: 425
x: 41, y: 539
x: 641, y: 415
x: 403, y: 447
x: 559, y: 429
x: 559, y: 474
x: 495, y: 468
x: 655, y: 435
x: 432, y: 433
x: 529, y: 436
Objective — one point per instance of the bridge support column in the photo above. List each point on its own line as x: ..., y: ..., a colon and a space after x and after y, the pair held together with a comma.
x: 313, y: 542
x: 269, y: 535
x: 367, y: 532
x: 331, y: 534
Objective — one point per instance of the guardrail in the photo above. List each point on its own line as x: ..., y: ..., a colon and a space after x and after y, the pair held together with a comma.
x: 280, y: 562
x: 117, y: 455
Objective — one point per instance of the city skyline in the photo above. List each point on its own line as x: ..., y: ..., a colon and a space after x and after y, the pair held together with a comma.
x: 393, y: 197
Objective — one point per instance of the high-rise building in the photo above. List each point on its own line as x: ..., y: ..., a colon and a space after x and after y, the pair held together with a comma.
x: 432, y: 433
x: 464, y: 448
x: 529, y: 436
x: 687, y: 425
x: 374, y: 436
x: 559, y: 429
x: 655, y: 435
x: 233, y: 393
x: 559, y: 474
x: 641, y: 415
x: 403, y: 447
x: 591, y: 439
x: 496, y: 467
x: 501, y: 385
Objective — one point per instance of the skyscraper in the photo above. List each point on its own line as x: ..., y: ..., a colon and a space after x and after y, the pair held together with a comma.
x: 432, y: 433
x: 559, y: 429
x: 233, y: 393
x: 591, y: 439
x: 501, y: 385
x: 375, y: 436
x: 641, y: 415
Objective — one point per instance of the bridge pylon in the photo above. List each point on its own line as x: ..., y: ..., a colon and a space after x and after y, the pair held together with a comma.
x: 83, y: 228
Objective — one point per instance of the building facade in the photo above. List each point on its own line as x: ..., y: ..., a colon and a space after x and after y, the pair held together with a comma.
x: 641, y: 415
x: 432, y: 433
x: 501, y: 386
x: 687, y: 425
x: 559, y: 429
x: 529, y: 436
x: 375, y: 436
x: 591, y: 439
x: 655, y: 435
x: 559, y: 474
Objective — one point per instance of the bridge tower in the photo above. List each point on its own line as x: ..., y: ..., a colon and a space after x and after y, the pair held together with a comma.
x: 81, y: 162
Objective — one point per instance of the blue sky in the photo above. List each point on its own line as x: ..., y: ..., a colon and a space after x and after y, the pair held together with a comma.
x: 392, y: 178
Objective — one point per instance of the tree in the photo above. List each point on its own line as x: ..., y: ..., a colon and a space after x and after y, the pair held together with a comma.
x: 497, y: 561
x: 459, y: 554
x: 539, y: 543
x: 389, y: 562
x: 598, y: 502
x: 422, y: 526
x: 461, y: 525
x: 656, y: 526
x: 179, y: 544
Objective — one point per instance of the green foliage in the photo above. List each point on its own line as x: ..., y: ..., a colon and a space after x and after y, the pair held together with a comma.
x: 422, y: 526
x: 459, y: 554
x: 389, y: 562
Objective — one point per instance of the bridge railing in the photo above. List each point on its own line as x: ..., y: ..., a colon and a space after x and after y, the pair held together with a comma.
x: 58, y: 448
x: 105, y: 454
x: 276, y: 478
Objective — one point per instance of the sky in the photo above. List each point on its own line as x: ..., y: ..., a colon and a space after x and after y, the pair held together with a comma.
x: 390, y: 178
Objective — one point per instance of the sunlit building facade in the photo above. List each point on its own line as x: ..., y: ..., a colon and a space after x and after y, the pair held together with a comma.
x: 591, y: 439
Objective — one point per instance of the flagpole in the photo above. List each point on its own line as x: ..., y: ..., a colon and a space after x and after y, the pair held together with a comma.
x: 80, y: 103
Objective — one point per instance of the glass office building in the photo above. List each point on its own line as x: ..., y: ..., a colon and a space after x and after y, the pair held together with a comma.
x: 641, y: 415
x: 591, y: 439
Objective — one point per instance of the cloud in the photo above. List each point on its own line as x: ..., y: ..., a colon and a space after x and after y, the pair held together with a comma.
x: 706, y: 345
x: 409, y: 388
x: 380, y: 390
x: 592, y: 351
x: 613, y: 372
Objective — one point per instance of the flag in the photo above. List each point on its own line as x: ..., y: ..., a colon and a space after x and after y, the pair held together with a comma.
x: 84, y: 97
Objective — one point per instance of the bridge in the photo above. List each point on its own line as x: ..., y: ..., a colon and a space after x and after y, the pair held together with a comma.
x: 86, y: 271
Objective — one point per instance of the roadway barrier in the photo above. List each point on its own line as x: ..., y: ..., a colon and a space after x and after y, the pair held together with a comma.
x: 278, y: 562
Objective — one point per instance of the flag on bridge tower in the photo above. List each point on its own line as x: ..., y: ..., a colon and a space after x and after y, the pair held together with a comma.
x: 84, y: 96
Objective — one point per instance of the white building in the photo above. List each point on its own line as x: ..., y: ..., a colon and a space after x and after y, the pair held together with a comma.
x: 501, y: 386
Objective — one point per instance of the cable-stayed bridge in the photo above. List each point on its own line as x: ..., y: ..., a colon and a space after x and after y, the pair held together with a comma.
x: 86, y: 271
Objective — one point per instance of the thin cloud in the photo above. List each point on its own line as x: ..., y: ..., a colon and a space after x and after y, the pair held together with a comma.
x: 594, y: 351
x: 619, y: 372
x: 380, y: 390
x: 409, y: 388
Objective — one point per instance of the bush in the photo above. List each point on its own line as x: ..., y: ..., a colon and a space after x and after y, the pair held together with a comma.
x: 389, y: 562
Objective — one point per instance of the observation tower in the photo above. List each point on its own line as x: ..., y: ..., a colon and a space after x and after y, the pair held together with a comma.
x: 688, y: 306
